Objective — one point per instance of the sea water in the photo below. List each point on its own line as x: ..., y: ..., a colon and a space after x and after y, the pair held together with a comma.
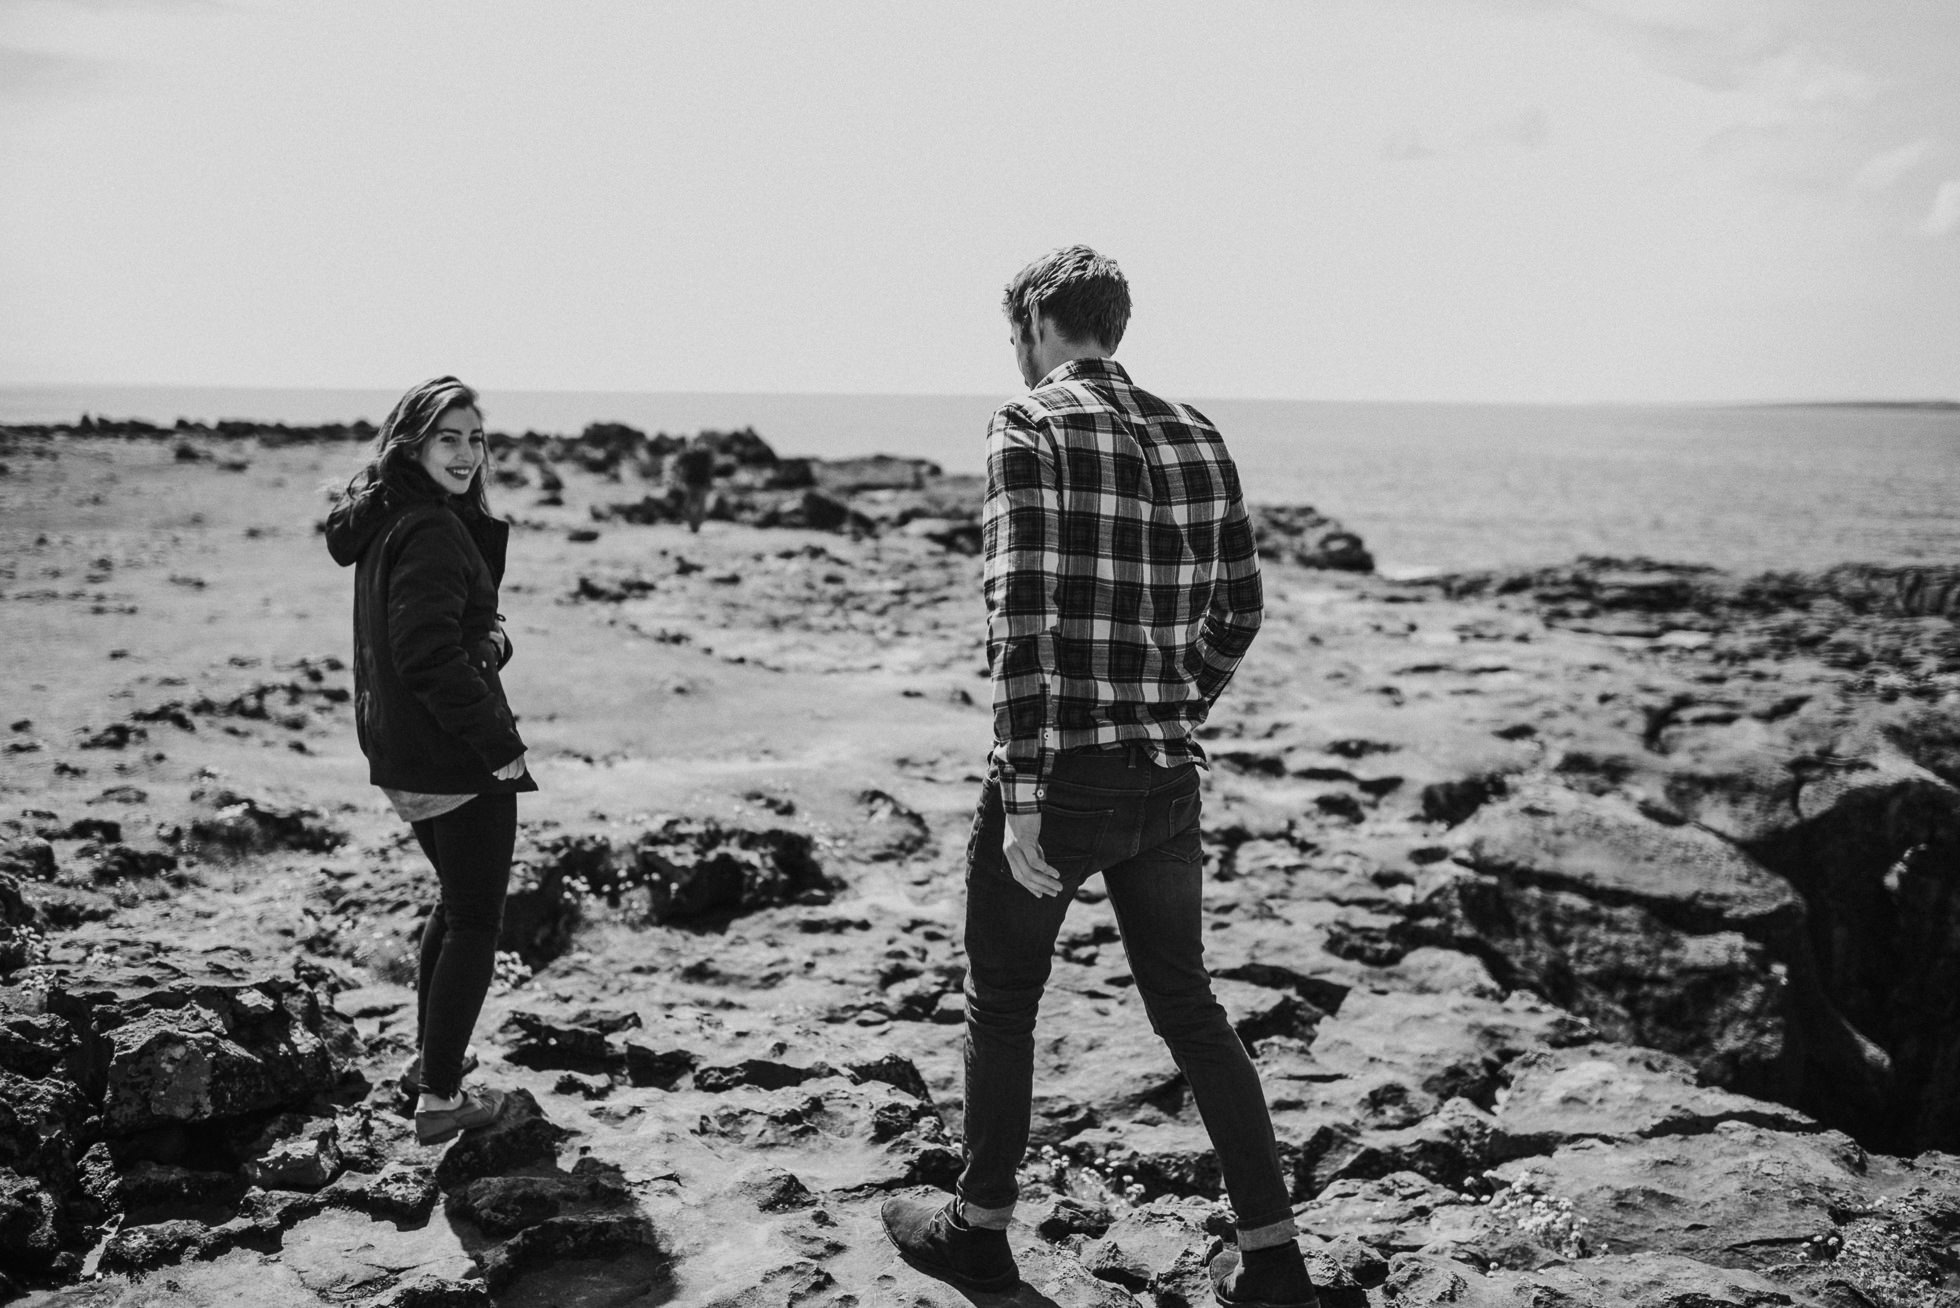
x: 1427, y: 486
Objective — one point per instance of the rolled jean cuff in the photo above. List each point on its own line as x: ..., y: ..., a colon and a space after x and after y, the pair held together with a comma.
x: 986, y: 1219
x: 1269, y: 1235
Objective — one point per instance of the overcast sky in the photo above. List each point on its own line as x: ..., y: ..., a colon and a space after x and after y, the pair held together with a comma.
x: 1534, y: 200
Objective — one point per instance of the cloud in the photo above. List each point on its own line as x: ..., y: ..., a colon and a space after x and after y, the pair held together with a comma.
x: 1883, y: 171
x: 1944, y: 220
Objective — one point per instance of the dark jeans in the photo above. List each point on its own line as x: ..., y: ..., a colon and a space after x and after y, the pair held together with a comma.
x: 1136, y: 823
x: 471, y: 848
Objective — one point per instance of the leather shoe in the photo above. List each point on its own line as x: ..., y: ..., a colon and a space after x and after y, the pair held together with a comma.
x: 1283, y: 1283
x: 932, y: 1239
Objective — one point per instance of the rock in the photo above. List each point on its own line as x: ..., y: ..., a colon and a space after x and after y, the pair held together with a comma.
x: 1300, y: 535
x: 121, y: 863
x: 773, y: 1190
x: 607, y: 1235
x: 429, y: 1291
x: 858, y: 1137
x: 890, y: 830
x: 504, y: 1205
x: 402, y: 1192
x: 1162, y: 1247
x: 199, y: 1048
x: 251, y: 823
x: 34, y: 1230
x: 580, y: 1043
x: 522, y: 1136
x: 1396, y: 1212
x: 295, y: 1153
x: 34, y: 1046
x: 1609, y: 1092
x: 136, y: 1249
x: 1662, y: 936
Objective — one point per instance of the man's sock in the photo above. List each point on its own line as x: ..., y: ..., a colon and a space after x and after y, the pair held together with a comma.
x: 429, y: 1103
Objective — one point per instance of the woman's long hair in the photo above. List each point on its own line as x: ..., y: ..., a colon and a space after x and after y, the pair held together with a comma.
x: 400, y: 439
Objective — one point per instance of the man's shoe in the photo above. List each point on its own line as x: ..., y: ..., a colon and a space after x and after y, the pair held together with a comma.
x: 411, y: 1077
x: 932, y: 1238
x: 440, y: 1125
x: 1279, y: 1280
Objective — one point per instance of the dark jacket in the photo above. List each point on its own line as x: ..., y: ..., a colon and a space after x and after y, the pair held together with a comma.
x: 428, y: 704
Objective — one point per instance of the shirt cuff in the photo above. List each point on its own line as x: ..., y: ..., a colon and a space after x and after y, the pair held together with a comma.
x: 1020, y: 793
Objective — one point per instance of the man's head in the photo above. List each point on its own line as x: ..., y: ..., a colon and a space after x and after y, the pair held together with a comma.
x: 1069, y: 303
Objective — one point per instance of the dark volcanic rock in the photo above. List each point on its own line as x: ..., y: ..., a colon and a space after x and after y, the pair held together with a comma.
x: 504, y: 1205
x: 522, y: 1136
x: 1298, y: 534
x: 246, y: 823
x: 197, y: 1048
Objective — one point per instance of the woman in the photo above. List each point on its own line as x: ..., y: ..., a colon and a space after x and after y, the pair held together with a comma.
x: 430, y: 710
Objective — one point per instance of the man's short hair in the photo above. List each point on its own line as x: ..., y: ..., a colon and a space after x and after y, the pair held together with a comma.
x: 1083, y: 292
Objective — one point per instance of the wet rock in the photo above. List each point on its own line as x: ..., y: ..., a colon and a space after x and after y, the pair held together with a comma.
x: 660, y: 1068
x: 522, y: 1136
x: 29, y: 859
x: 1059, y: 1217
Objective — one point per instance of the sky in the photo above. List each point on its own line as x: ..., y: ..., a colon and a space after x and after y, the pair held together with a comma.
x: 1427, y: 200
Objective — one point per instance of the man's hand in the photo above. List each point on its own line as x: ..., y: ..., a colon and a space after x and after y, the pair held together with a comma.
x: 510, y: 771
x: 1021, y: 844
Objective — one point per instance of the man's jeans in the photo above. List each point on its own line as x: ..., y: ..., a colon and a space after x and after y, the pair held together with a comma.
x: 1120, y: 814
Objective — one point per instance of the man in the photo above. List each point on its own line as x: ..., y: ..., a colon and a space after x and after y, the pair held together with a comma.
x: 1122, y: 589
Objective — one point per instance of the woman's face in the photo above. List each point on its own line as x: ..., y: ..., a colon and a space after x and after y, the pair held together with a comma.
x: 455, y: 452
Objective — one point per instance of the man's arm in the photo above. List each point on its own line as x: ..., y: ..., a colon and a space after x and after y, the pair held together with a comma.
x: 1021, y: 527
x: 1237, y: 603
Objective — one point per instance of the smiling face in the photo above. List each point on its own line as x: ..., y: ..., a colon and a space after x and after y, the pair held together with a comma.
x: 455, y: 451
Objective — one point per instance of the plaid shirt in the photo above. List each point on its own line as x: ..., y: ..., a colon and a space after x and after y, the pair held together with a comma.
x: 1121, y: 579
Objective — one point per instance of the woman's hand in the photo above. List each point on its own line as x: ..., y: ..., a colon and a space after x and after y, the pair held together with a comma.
x: 510, y: 771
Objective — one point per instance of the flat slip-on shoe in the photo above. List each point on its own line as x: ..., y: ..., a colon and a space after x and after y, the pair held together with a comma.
x: 480, y: 1107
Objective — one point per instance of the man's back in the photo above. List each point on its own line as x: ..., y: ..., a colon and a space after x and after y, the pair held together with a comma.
x: 1118, y: 555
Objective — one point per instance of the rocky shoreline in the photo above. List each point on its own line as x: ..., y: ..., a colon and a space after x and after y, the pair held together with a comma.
x: 1594, y: 927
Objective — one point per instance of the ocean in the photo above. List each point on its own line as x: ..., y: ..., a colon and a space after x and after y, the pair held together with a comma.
x: 1428, y: 486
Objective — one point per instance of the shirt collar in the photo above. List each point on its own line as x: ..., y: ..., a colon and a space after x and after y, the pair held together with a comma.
x: 1086, y: 370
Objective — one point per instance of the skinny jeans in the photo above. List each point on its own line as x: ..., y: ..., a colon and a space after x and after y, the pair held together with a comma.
x: 1118, y: 813
x: 471, y: 849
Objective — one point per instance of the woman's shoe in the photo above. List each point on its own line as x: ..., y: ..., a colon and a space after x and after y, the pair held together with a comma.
x: 478, y: 1107
x: 411, y: 1077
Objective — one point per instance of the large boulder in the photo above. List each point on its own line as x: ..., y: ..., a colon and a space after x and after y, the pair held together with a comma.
x: 198, y: 1048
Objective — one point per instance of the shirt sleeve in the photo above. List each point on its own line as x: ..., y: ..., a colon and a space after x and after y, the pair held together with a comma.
x: 1237, y: 603
x: 1021, y: 530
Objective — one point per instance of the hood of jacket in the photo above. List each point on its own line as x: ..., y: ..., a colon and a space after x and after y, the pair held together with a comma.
x: 353, y: 523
